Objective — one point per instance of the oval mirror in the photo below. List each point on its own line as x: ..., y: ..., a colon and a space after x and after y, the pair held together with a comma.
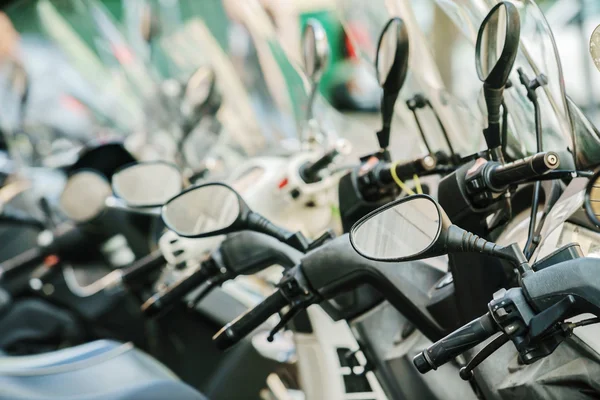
x: 315, y: 49
x: 398, y: 231
x: 204, y: 210
x: 595, y: 47
x: 391, y: 61
x: 497, y: 44
x: 84, y: 195
x: 147, y: 184
x: 592, y: 199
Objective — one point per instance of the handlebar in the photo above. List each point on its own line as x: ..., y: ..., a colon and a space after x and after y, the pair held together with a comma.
x: 166, y: 298
x: 520, y: 170
x: 237, y: 329
x: 27, y: 259
x: 143, y: 267
x: 407, y: 170
x: 455, y: 343
x: 310, y: 172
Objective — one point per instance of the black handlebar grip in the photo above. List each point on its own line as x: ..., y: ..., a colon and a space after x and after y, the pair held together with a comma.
x: 29, y: 258
x: 520, y: 170
x: 310, y: 172
x: 243, y: 325
x: 142, y: 267
x: 407, y: 170
x: 175, y: 292
x: 456, y: 343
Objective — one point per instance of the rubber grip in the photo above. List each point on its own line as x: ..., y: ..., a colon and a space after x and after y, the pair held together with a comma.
x: 456, y: 343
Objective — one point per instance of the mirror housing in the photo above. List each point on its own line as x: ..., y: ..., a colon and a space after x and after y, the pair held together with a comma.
x: 592, y: 199
x: 147, y: 184
x: 442, y: 238
x: 495, y: 78
x: 205, y: 204
x: 391, y: 73
x: 84, y: 196
x: 315, y: 56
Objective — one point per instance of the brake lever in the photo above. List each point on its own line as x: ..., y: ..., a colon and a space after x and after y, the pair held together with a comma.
x: 288, y: 316
x: 466, y: 372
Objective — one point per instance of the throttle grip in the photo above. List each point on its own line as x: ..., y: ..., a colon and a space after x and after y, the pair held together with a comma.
x: 243, y: 325
x: 456, y: 343
x: 407, y: 170
x: 520, y: 170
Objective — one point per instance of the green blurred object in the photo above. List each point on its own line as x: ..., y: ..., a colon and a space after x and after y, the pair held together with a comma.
x: 335, y: 37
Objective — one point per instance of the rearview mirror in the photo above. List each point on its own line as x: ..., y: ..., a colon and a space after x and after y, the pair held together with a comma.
x: 399, y: 231
x: 416, y: 227
x: 84, y: 196
x: 495, y: 53
x: 595, y: 47
x: 315, y: 49
x: 198, y: 90
x: 391, y: 64
x: 205, y: 210
x: 147, y: 184
x: 592, y: 199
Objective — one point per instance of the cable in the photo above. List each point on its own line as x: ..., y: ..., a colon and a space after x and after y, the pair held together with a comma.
x: 398, y: 181
x: 417, y: 184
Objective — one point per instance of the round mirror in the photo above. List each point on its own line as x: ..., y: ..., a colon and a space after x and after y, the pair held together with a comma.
x: 497, y: 44
x: 398, y: 231
x: 147, y: 184
x: 202, y: 211
x: 315, y: 49
x: 592, y: 199
x: 595, y: 47
x: 391, y: 62
x: 84, y: 195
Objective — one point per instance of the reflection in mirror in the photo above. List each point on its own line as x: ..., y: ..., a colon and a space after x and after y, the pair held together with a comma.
x: 84, y: 195
x: 592, y: 200
x: 202, y: 210
x: 492, y: 41
x: 595, y: 47
x: 401, y: 231
x: 315, y: 49
x: 149, y: 184
x: 386, y: 52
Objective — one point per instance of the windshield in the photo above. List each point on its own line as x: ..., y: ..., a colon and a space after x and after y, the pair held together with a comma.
x: 445, y: 32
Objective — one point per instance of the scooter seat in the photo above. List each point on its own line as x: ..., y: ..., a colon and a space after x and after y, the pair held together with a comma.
x: 99, y: 370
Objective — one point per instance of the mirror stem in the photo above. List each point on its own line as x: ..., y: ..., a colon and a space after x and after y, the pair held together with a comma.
x: 258, y: 223
x: 493, y: 100
x: 387, y: 111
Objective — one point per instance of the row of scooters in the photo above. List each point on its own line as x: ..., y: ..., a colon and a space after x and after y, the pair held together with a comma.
x: 493, y: 321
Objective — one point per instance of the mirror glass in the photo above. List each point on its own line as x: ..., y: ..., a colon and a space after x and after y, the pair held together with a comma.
x: 149, y: 184
x: 315, y: 49
x: 202, y: 210
x: 595, y: 47
x: 592, y: 200
x: 400, y: 231
x: 386, y: 52
x: 493, y: 36
x: 84, y: 195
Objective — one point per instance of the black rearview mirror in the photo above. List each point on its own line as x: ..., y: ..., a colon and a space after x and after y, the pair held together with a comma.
x: 315, y: 49
x: 592, y: 199
x: 495, y: 54
x: 205, y: 210
x: 400, y: 230
x: 84, y: 196
x: 147, y: 184
x: 391, y: 64
x: 416, y: 227
x: 595, y: 47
